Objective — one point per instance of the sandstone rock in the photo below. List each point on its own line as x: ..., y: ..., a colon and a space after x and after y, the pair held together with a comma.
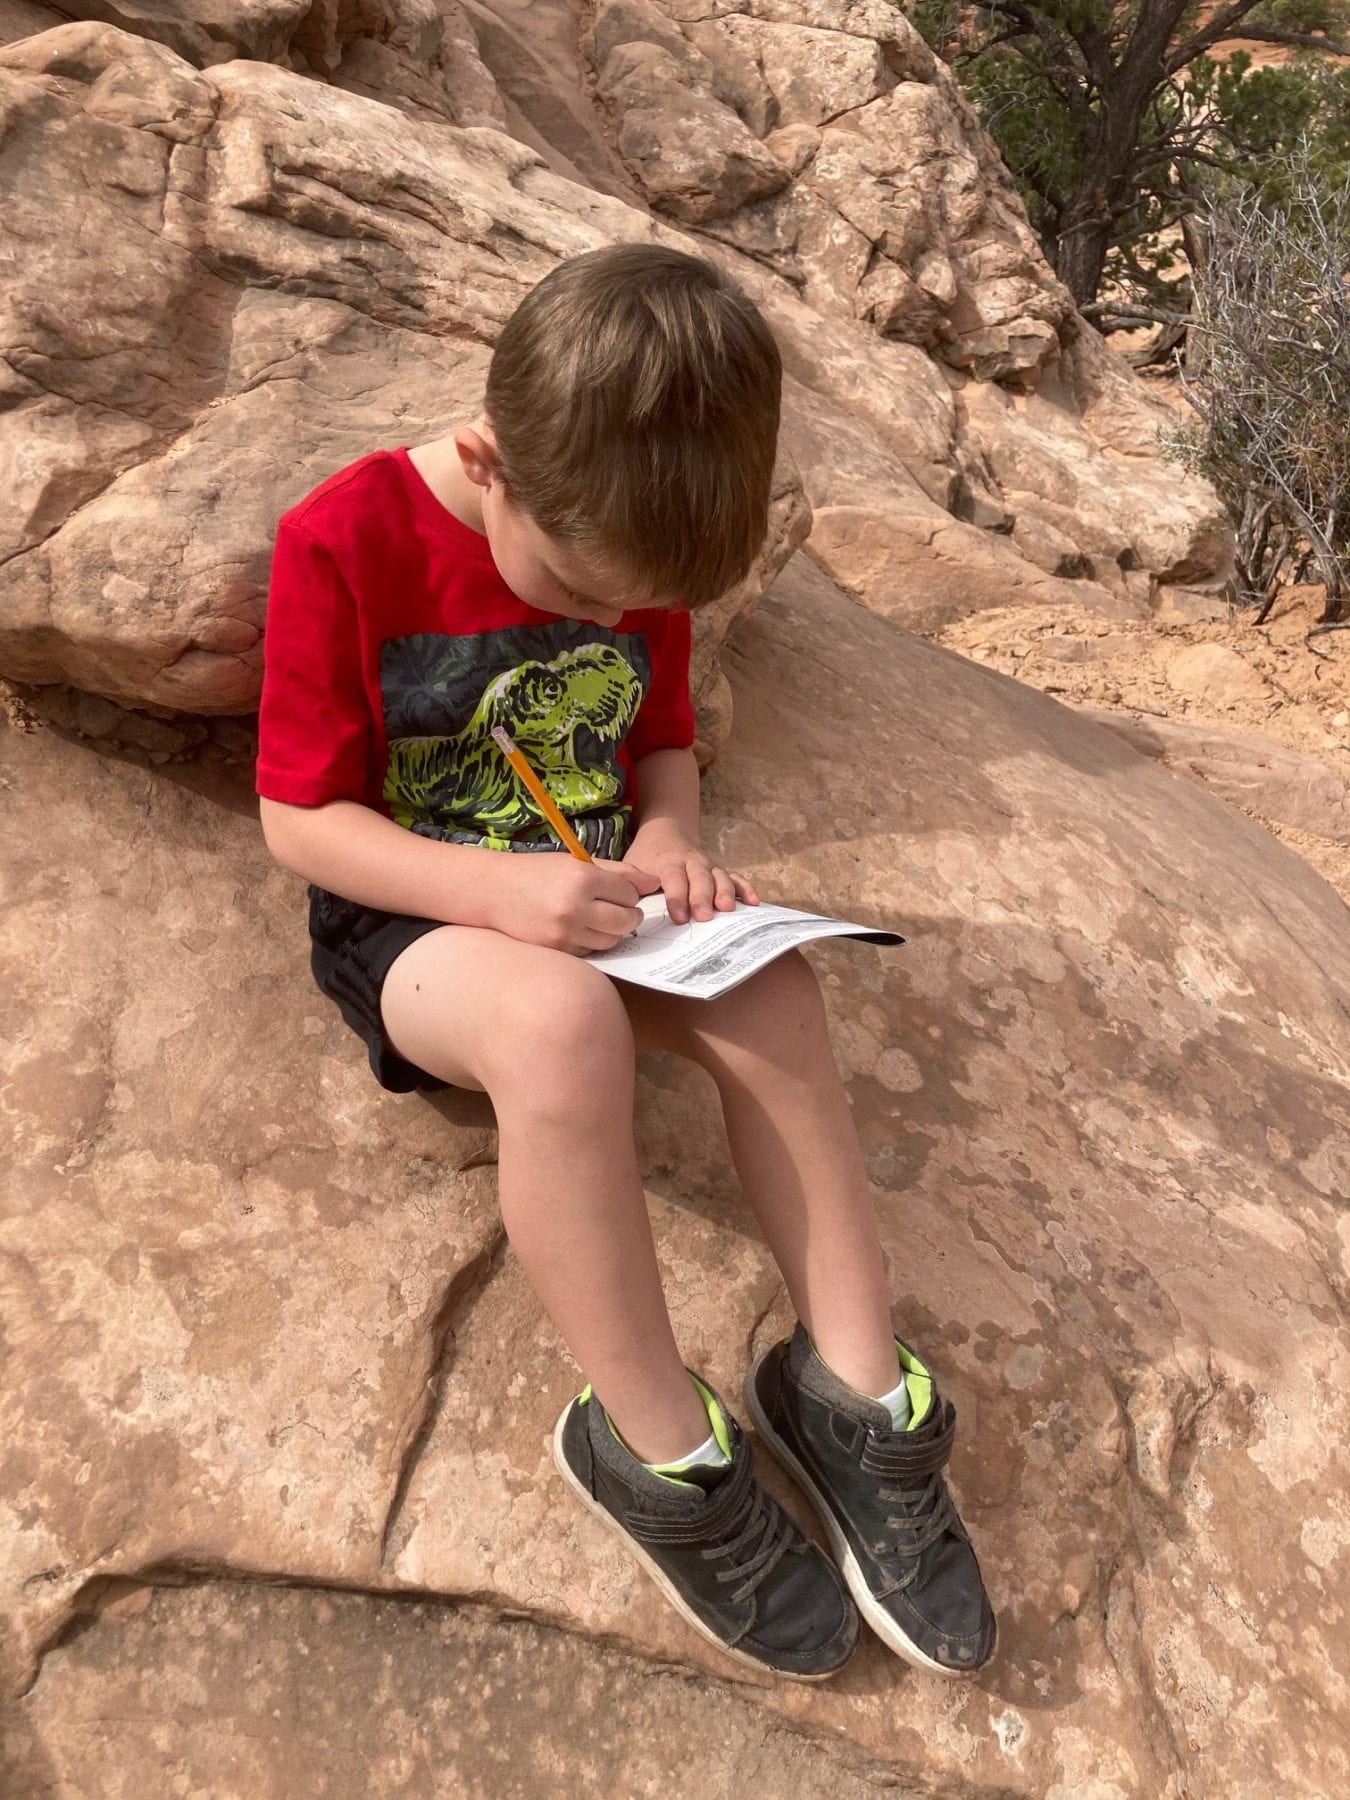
x: 262, y: 276
x: 24, y: 18
x: 1178, y: 605
x: 1038, y: 532
x: 1217, y: 674
x: 1280, y: 785
x: 262, y: 1323
x: 147, y: 530
x: 691, y: 155
x: 899, y: 213
x: 353, y: 1696
x: 925, y: 569
x: 420, y: 55
x: 530, y: 49
x: 1123, y: 514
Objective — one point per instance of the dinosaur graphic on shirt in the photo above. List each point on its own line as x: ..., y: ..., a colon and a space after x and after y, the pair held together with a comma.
x: 568, y: 716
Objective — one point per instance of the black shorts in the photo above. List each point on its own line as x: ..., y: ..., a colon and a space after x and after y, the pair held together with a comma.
x: 351, y: 949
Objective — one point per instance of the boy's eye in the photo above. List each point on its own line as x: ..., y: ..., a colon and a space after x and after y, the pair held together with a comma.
x: 580, y: 599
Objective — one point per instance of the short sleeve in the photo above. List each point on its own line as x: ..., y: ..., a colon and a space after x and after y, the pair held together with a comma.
x: 665, y: 719
x: 314, y: 725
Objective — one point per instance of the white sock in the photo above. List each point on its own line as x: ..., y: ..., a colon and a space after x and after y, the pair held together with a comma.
x: 897, y: 1404
x: 709, y: 1451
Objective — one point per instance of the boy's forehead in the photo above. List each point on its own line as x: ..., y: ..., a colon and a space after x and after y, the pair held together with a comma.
x: 574, y: 565
x: 591, y: 575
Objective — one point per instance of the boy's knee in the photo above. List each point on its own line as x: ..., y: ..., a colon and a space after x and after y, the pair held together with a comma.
x: 794, y: 966
x: 774, y: 1008
x: 788, y: 980
x: 563, y: 1034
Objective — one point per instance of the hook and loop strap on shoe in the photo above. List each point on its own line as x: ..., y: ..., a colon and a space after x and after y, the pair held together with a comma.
x: 901, y: 1457
x: 723, y: 1503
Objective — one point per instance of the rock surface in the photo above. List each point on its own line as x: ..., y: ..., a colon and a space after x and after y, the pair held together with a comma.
x: 147, y: 585
x: 418, y: 55
x: 1259, y: 715
x: 384, y: 1697
x: 1282, y: 787
x: 1214, y: 673
x: 265, y: 268
x: 262, y: 1322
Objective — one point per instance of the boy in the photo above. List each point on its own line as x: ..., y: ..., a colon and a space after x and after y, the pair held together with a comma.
x: 538, y: 571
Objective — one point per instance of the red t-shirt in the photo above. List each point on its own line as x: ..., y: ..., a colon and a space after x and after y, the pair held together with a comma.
x: 393, y: 646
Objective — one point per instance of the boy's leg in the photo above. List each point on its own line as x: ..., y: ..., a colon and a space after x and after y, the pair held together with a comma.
x: 918, y: 1581
x: 546, y: 1037
x: 796, y: 1150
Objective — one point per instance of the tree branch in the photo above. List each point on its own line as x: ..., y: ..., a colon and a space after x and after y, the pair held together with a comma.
x: 1273, y: 34
x: 965, y: 56
x: 1034, y: 21
x: 1220, y: 26
x: 1143, y: 315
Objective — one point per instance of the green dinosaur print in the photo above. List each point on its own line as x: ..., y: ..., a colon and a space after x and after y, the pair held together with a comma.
x: 568, y: 716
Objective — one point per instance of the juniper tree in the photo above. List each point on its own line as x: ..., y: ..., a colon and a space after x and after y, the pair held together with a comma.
x: 1113, y: 118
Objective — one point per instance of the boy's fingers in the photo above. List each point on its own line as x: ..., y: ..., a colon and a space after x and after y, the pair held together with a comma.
x: 726, y: 889
x: 744, y: 891
x: 590, y: 938
x: 676, y: 885
x: 612, y: 918
x: 701, y: 891
x: 644, y: 882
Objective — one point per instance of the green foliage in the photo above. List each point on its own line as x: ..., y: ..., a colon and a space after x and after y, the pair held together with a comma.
x: 1266, y: 112
x: 1026, y: 115
x: 1044, y: 75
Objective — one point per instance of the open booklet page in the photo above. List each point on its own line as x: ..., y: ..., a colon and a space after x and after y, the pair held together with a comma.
x: 705, y: 957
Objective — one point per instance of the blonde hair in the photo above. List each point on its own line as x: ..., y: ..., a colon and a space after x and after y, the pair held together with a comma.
x: 634, y: 395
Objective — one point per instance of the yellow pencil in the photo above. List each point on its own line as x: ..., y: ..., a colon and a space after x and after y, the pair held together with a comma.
x: 547, y: 805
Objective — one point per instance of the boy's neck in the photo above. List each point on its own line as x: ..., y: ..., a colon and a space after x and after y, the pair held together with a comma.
x: 439, y: 466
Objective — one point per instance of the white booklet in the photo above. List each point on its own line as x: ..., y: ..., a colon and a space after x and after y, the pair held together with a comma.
x: 706, y: 957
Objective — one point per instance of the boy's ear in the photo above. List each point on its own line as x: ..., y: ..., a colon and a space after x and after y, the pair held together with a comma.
x: 477, y: 455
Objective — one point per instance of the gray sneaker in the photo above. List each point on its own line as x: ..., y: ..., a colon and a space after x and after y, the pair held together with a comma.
x: 882, y: 1498
x: 721, y: 1549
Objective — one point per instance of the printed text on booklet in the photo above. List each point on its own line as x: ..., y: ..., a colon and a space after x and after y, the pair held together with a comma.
x: 706, y: 957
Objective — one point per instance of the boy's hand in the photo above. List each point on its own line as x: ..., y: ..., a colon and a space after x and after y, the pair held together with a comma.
x: 557, y: 900
x: 693, y: 884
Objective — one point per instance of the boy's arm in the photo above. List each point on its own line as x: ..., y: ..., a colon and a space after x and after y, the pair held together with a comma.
x: 314, y: 746
x: 355, y: 851
x: 665, y: 843
x: 667, y: 796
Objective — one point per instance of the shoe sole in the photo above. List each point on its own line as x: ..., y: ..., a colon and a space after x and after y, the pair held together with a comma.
x: 886, y: 1628
x: 660, y: 1577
